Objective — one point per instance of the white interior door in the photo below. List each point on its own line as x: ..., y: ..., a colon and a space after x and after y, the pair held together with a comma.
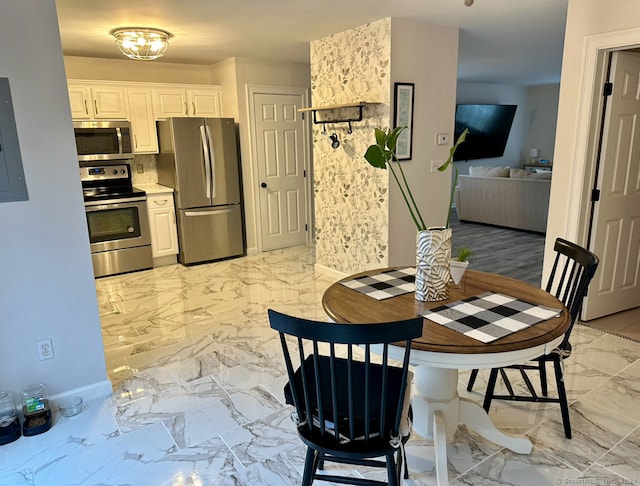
x: 616, y: 221
x: 282, y: 169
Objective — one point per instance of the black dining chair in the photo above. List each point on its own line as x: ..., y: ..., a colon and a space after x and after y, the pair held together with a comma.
x: 572, y: 271
x: 347, y: 409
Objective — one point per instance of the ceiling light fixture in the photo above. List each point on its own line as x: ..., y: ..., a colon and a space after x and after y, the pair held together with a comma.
x: 468, y: 3
x: 141, y: 43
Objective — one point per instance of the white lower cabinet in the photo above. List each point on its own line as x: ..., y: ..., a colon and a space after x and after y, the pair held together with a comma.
x: 164, y: 232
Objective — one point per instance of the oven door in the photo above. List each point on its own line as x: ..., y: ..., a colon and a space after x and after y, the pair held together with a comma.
x: 118, y: 223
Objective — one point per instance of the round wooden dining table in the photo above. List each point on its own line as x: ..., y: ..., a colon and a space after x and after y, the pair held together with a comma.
x: 441, y: 352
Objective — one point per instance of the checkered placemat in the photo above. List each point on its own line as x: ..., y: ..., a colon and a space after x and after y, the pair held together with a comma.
x: 386, y: 284
x: 490, y: 316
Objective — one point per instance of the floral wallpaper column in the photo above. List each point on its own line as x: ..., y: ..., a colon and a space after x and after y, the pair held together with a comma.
x: 351, y: 197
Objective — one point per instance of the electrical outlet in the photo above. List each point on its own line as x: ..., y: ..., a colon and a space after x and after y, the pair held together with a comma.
x: 442, y: 139
x: 45, y: 349
x: 435, y: 164
x: 140, y: 168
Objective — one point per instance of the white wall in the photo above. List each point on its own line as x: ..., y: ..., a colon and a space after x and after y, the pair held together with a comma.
x: 129, y: 70
x: 224, y: 74
x: 543, y: 115
x: 434, y: 73
x: 46, y: 285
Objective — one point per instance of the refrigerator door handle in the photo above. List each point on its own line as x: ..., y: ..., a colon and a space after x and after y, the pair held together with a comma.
x: 207, y: 161
x: 212, y: 159
x: 210, y: 213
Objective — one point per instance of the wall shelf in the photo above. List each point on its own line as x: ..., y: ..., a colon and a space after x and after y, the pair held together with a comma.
x: 356, y: 118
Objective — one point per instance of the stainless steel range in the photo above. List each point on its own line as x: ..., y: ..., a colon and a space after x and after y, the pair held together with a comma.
x: 117, y: 219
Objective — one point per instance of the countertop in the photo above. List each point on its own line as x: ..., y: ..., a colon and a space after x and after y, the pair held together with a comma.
x: 154, y: 188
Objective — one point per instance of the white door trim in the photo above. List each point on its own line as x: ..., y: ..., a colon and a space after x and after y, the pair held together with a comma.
x: 251, y: 91
x: 595, y: 50
x: 589, y: 109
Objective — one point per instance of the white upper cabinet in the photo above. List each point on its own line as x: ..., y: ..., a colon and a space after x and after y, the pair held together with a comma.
x: 97, y: 102
x: 142, y: 104
x: 79, y: 101
x: 143, y: 124
x: 187, y: 101
x: 109, y: 103
x: 170, y: 102
x: 205, y: 102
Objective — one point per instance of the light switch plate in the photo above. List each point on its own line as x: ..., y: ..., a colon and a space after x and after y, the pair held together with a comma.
x: 442, y: 139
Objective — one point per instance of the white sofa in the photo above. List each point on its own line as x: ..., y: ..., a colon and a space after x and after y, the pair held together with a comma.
x: 518, y: 200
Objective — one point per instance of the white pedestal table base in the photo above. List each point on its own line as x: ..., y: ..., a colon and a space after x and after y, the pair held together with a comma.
x: 437, y: 411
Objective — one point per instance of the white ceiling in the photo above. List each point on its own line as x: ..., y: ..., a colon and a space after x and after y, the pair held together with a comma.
x: 501, y: 41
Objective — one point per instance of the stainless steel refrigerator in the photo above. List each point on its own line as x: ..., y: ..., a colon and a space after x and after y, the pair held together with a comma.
x: 199, y: 159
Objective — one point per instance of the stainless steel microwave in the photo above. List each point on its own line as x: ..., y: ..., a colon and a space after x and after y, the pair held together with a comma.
x: 103, y: 140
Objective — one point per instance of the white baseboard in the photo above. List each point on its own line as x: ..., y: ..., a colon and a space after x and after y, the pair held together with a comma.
x: 330, y: 272
x: 102, y: 389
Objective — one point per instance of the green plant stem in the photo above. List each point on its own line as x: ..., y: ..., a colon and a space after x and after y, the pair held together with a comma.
x: 453, y: 189
x: 406, y: 200
x: 423, y: 226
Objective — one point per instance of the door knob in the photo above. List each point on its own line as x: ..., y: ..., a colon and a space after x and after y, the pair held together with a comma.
x: 264, y: 184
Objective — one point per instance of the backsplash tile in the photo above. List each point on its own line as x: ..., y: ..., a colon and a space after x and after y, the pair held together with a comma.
x: 149, y: 167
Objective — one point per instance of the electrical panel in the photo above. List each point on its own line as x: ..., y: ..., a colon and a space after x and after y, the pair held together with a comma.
x: 12, y: 184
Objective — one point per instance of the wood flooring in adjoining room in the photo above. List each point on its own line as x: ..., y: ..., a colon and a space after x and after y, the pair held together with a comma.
x: 625, y: 324
x: 513, y: 253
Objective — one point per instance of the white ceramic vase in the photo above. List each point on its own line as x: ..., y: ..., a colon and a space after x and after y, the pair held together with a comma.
x: 457, y: 270
x: 433, y: 255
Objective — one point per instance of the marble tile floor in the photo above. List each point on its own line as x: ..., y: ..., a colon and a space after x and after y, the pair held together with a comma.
x: 198, y: 375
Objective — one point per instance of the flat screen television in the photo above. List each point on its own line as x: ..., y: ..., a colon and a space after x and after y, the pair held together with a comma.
x: 489, y: 127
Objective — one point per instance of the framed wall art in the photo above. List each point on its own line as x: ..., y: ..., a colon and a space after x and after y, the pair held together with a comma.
x: 403, y: 116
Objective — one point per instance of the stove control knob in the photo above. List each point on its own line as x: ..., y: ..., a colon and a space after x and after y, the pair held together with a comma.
x: 123, y: 172
x: 115, y: 171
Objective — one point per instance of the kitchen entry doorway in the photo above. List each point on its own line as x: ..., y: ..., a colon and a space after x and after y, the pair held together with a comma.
x: 281, y: 161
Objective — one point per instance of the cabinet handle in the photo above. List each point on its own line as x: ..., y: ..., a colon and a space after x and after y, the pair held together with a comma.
x: 95, y: 105
x: 160, y: 202
x: 86, y: 108
x: 193, y: 105
x: 135, y: 141
x: 186, y: 108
